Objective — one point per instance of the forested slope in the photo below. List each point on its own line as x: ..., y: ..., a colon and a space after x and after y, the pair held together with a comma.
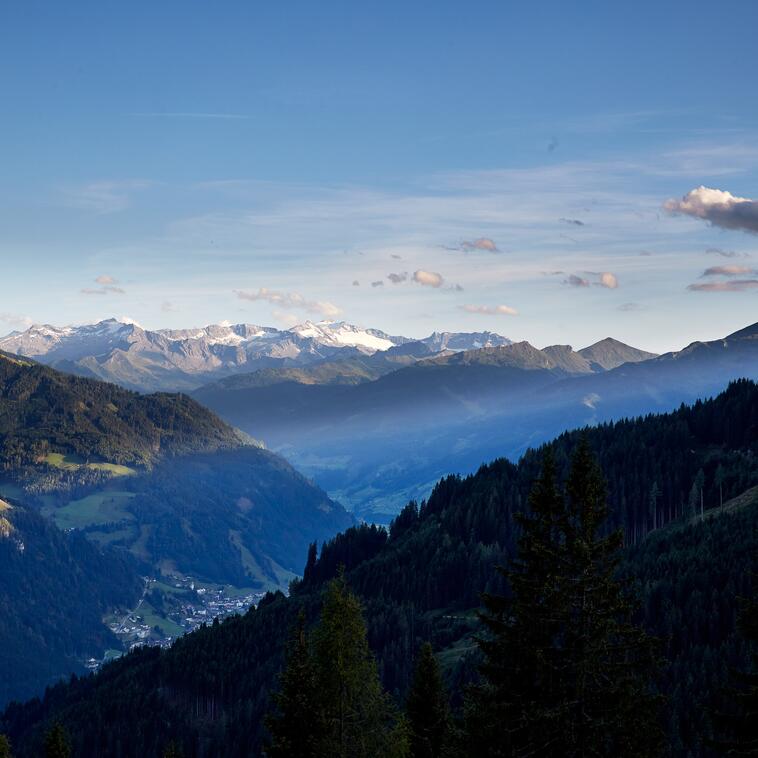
x: 54, y: 592
x: 424, y: 579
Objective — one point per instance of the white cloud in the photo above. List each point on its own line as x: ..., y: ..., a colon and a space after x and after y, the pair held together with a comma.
x: 291, y: 300
x: 718, y: 207
x: 608, y: 280
x: 106, y: 280
x: 428, y: 278
x: 490, y: 310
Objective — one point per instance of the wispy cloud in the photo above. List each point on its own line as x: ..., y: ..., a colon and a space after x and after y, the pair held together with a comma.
x: 490, y: 310
x: 728, y: 271
x: 377, y: 283
x: 630, y: 307
x: 724, y: 253
x: 108, y: 287
x: 717, y: 207
x: 398, y: 278
x: 291, y: 300
x: 103, y: 198
x: 16, y: 321
x: 732, y: 285
x: 572, y: 221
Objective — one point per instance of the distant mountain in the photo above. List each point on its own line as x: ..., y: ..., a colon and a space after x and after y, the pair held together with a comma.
x: 698, y: 370
x: 182, y: 359
x: 385, y: 440
x: 422, y: 581
x: 610, y: 353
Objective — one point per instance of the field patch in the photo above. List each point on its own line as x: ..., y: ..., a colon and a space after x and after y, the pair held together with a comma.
x: 72, y: 462
x: 94, y: 510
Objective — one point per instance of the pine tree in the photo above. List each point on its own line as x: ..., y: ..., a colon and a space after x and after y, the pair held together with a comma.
x: 5, y: 747
x: 57, y: 744
x: 360, y: 719
x: 607, y: 661
x: 296, y: 726
x: 565, y: 671
x: 427, y: 708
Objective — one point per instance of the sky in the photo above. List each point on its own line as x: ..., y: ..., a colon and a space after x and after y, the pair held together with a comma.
x: 529, y: 169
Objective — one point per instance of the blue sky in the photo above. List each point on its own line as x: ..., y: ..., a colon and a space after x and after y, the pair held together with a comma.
x: 243, y: 161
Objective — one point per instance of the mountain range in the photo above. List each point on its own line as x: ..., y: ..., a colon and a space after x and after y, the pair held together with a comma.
x: 183, y: 359
x: 380, y: 440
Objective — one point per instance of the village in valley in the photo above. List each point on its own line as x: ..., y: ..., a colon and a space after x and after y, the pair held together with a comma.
x: 171, y: 607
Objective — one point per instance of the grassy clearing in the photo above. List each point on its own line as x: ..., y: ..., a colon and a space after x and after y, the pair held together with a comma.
x: 153, y: 618
x: 74, y: 462
x: 93, y: 510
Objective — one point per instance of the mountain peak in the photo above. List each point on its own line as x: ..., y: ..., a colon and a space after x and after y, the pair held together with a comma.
x: 609, y: 353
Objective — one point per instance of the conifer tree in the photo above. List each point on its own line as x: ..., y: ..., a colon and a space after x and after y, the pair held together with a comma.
x: 566, y: 673
x: 5, y: 747
x: 57, y: 744
x: 427, y: 708
x: 296, y: 727
x: 359, y: 717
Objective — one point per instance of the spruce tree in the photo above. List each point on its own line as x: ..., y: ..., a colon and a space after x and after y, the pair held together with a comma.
x: 607, y: 662
x: 57, y: 744
x: 566, y: 672
x: 427, y: 708
x: 359, y: 717
x: 5, y: 747
x: 296, y: 726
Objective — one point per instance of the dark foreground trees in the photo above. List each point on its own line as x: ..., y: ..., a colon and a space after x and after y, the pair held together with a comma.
x: 738, y: 722
x: 331, y: 701
x: 427, y: 709
x: 566, y: 672
x: 57, y: 744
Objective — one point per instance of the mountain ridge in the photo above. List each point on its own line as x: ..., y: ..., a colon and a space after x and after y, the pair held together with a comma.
x: 184, y: 359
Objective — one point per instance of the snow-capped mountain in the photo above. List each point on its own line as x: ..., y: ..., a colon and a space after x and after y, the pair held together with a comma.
x: 122, y: 351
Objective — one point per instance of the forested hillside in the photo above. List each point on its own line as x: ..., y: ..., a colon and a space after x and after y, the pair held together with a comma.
x: 676, y: 485
x: 54, y: 592
x: 44, y: 412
